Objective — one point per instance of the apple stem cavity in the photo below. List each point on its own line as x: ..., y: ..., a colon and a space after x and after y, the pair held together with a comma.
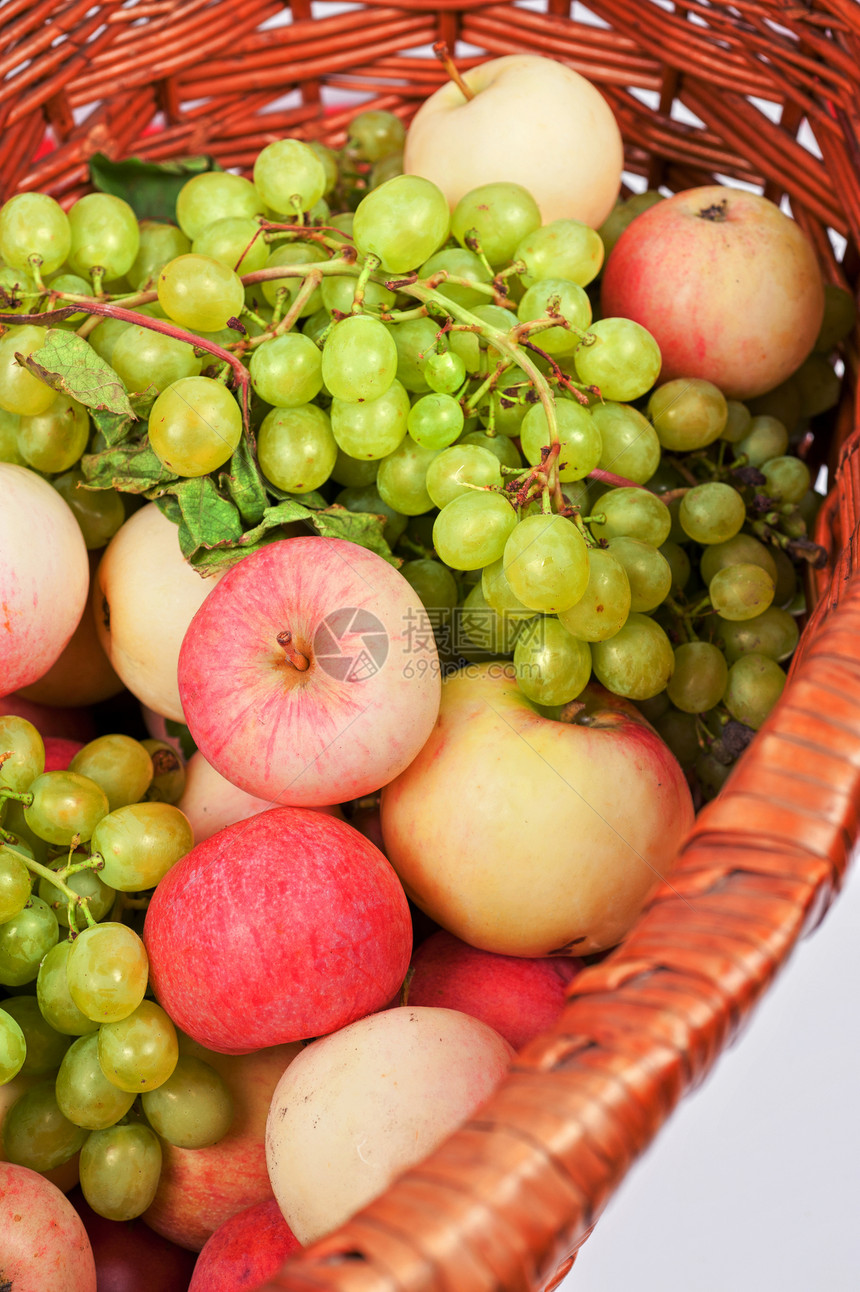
x: 716, y: 212
x: 294, y: 656
x: 442, y: 52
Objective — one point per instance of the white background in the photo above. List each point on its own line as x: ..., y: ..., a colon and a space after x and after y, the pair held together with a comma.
x: 754, y: 1183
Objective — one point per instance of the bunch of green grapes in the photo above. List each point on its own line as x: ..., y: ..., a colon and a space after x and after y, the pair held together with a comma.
x: 80, y: 849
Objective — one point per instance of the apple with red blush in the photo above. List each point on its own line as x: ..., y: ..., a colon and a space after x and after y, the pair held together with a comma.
x: 43, y: 1242
x: 131, y: 1257
x: 246, y: 1250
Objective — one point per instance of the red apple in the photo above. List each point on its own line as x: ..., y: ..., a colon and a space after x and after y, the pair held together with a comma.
x: 67, y: 724
x: 131, y: 1257
x: 247, y: 1249
x: 201, y: 1188
x: 59, y: 753
x: 291, y: 924
x: 310, y: 675
x: 43, y: 1243
x: 517, y: 997
x: 44, y: 576
x: 729, y: 287
x: 569, y: 825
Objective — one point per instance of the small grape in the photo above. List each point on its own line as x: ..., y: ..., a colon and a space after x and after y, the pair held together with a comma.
x: 637, y: 662
x: 168, y: 773
x: 104, y: 235
x: 434, y: 583
x: 34, y: 224
x: 563, y: 299
x: 401, y: 478
x: 193, y: 1107
x: 787, y: 479
x: 353, y: 472
x: 296, y: 448
x: 402, y: 222
x: 840, y: 316
x: 742, y: 591
x: 200, y: 293
x: 337, y: 292
x: 773, y: 633
x: 139, y: 1052
x: 445, y: 372
x: 195, y: 426
x: 84, y: 1094
x: 498, y: 593
x: 459, y: 263
x: 287, y: 289
x: 623, y: 359
x: 236, y: 241
x: 143, y: 359
x: 630, y: 445
x: 712, y: 512
x: 375, y: 134
x: 215, y: 195
x: 679, y: 563
x: 119, y: 764
x: 687, y: 413
x: 699, y: 679
x: 435, y: 421
x: 414, y: 340
x: 35, y: 1132
x: 579, y: 437
x: 20, y: 391
x: 606, y: 602
x: 120, y: 1170
x: 737, y: 422
x: 22, y: 752
x: 45, y: 1046
x: 755, y: 684
x: 742, y: 549
x: 499, y: 217
x: 372, y: 429
x: 546, y: 563
x: 680, y: 733
x: 482, y: 633
x: 560, y: 249
x: 99, y: 512
x: 139, y: 842
x: 552, y: 666
x: 55, y: 1001
x: 471, y: 531
x: 648, y: 572
x: 9, y: 451
x: 107, y: 972
x: 766, y: 438
x: 359, y: 359
x: 13, y: 1047
x: 158, y: 243
x: 499, y: 445
x: 633, y: 513
x: 289, y: 176
x: 14, y: 883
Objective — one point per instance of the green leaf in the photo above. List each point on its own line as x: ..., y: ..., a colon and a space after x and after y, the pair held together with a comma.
x: 115, y: 427
x: 150, y: 188
x: 364, y: 528
x: 243, y: 482
x: 67, y: 362
x: 131, y: 468
x: 179, y: 731
x: 207, y: 520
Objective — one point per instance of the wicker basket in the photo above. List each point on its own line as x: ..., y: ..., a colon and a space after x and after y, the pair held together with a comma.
x: 765, y: 92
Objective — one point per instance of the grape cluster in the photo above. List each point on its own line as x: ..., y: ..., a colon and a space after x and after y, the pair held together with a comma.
x: 81, y: 849
x: 451, y: 374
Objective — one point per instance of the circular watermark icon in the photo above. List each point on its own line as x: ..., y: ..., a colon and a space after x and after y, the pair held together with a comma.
x: 351, y: 644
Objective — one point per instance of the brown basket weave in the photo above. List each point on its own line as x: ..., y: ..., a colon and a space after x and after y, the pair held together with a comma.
x: 507, y: 1200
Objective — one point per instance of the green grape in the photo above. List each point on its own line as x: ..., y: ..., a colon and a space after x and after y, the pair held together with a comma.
x: 20, y: 391
x: 373, y: 429
x: 104, y: 235
x: 99, y: 512
x: 55, y: 1001
x: 401, y: 478
x: 18, y: 294
x: 200, y: 293
x: 468, y: 345
x: 699, y: 679
x: 158, y: 244
x: 741, y: 591
x: 498, y: 593
x: 168, y: 773
x: 738, y: 421
x: 145, y: 359
x: 435, y: 421
x: 22, y: 753
x: 623, y: 361
x: 296, y: 449
x: 235, y: 241
x: 742, y: 549
x: 687, y: 413
x: 712, y: 512
x: 287, y: 289
x: 581, y: 445
x: 605, y: 604
x: 338, y: 293
x: 773, y: 633
x: 54, y: 440
x: 414, y: 340
x: 375, y: 134
x: 329, y: 160
x: 481, y: 633
x: 648, y: 572
x: 546, y: 563
x: 14, y: 883
x: 552, y: 666
x: 84, y: 1094
x: 451, y: 472
x: 193, y: 1108
x: 366, y: 499
x: 786, y: 479
x: 678, y: 562
x: 65, y: 804
x: 637, y: 662
x: 289, y: 176
x: 434, y: 583
x: 754, y: 686
x: 444, y: 372
x: 623, y: 214
x: 139, y: 1052
x: 34, y: 224
x: 119, y: 764
x: 73, y: 285
x: 35, y: 1132
x: 840, y: 316
x: 120, y: 1170
x: 386, y: 168
x: 215, y: 195
x: 680, y: 733
x: 508, y: 404
x: 499, y: 217
x: 286, y: 371
x: 402, y: 222
x: 107, y: 972
x: 766, y: 438
x: 104, y: 337
x: 24, y: 940
x: 786, y: 583
x: 195, y: 425
x: 471, y: 531
x: 359, y: 359
x: 566, y: 300
x: 9, y: 451
x: 630, y: 445
x: 13, y: 1047
x: 139, y: 842
x: 560, y: 249
x: 353, y: 472
x: 14, y: 823
x: 633, y: 513
x: 459, y: 263
x: 499, y: 445
x: 87, y: 884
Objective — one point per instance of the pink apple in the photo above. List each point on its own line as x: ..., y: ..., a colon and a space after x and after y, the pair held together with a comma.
x: 67, y: 724
x: 247, y: 1249
x: 310, y: 675
x: 569, y: 827
x: 519, y: 998
x: 201, y: 1188
x: 43, y: 1243
x: 44, y: 576
x: 291, y: 924
x: 727, y: 284
x: 59, y: 753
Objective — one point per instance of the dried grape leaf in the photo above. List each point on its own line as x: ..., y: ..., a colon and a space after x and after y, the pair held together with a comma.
x: 67, y: 362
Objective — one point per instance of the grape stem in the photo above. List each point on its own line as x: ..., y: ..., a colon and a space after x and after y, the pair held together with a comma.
x: 75, y: 901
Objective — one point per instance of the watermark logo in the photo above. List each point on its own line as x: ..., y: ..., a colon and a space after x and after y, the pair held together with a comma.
x: 351, y: 644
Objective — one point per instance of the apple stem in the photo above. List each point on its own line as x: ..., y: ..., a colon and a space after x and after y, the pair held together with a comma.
x: 293, y: 654
x: 442, y: 52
